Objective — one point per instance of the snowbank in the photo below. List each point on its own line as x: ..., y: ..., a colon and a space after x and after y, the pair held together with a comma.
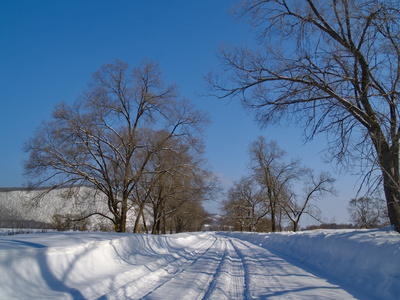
x: 82, y: 265
x: 363, y: 259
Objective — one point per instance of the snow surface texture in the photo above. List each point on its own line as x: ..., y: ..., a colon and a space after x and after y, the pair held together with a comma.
x: 325, y: 264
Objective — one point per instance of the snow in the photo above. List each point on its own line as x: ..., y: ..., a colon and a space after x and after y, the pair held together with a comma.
x: 365, y: 260
x: 321, y: 264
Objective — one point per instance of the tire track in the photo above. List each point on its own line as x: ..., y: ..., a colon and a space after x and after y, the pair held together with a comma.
x: 228, y: 281
x: 215, y: 281
x: 216, y: 274
x: 137, y: 281
x: 255, y: 266
x: 197, y: 273
x: 146, y: 287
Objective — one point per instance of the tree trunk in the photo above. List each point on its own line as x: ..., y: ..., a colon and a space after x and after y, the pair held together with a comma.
x: 393, y: 203
x: 392, y: 195
x: 252, y: 219
x: 158, y: 226
x: 164, y: 221
x: 144, y: 224
x: 295, y: 226
x: 139, y: 215
x: 273, y: 217
x: 156, y: 218
x: 389, y: 162
x: 171, y: 226
x: 164, y: 227
x: 124, y: 211
x: 272, y: 206
x: 155, y: 225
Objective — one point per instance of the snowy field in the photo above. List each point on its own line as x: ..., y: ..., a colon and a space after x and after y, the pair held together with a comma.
x: 323, y: 264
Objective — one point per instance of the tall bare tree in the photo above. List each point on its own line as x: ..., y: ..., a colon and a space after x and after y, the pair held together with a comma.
x: 336, y: 66
x: 273, y: 173
x: 107, y: 137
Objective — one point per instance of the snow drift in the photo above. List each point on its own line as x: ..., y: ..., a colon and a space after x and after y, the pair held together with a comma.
x: 81, y: 265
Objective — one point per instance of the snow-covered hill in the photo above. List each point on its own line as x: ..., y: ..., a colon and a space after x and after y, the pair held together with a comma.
x: 21, y: 208
x: 324, y: 264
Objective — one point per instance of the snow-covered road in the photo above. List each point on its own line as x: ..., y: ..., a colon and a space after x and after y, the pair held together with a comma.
x: 127, y: 266
x: 216, y: 267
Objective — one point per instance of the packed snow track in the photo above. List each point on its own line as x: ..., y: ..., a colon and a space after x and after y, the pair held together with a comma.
x: 128, y: 266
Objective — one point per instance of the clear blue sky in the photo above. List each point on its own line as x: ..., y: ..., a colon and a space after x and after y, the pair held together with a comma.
x: 49, y: 49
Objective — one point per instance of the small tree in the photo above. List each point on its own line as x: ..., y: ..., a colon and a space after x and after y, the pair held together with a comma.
x: 314, y: 188
x: 366, y: 212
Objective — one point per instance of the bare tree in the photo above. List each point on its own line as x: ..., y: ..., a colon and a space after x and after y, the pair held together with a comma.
x: 174, y: 176
x: 314, y: 188
x: 272, y: 189
x: 107, y: 137
x: 174, y: 180
x: 367, y: 212
x: 273, y: 174
x: 336, y: 66
x: 234, y: 215
x: 245, y: 205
